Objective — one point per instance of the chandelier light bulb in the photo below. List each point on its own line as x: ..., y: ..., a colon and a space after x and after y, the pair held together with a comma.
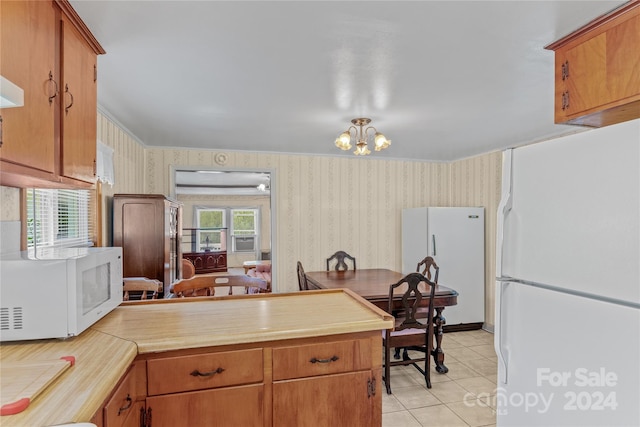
x: 343, y: 142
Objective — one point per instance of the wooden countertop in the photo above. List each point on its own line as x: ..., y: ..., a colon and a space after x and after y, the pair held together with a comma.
x: 76, y: 395
x: 104, y: 352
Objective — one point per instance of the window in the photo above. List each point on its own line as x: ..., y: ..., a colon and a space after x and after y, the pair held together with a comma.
x: 59, y: 218
x: 244, y: 229
x: 209, y: 218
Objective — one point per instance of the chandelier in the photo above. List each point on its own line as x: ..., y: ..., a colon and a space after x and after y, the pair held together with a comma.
x: 380, y: 142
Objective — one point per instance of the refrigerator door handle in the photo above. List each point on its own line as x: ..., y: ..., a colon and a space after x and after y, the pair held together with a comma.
x: 433, y: 240
x: 506, y: 202
x: 498, y: 337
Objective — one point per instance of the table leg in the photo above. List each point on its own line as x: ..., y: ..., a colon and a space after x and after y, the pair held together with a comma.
x: 438, y: 354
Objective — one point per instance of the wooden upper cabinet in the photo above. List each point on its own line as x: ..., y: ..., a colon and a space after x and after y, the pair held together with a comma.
x: 48, y: 51
x: 79, y: 105
x: 597, y: 70
x: 27, y: 58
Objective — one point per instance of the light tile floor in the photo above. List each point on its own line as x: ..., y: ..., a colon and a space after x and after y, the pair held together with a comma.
x: 465, y: 396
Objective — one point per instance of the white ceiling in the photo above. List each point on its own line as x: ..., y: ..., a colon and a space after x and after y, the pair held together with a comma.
x: 216, y: 183
x: 443, y: 80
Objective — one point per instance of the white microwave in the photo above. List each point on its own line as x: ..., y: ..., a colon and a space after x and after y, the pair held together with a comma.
x: 57, y: 292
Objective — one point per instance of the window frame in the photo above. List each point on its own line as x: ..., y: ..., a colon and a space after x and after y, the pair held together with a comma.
x: 74, y: 226
x: 197, y: 211
x: 256, y: 229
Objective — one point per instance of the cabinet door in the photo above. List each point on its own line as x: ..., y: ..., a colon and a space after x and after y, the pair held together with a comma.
x: 623, y: 59
x: 27, y: 57
x: 225, y: 407
x: 584, y: 85
x: 127, y: 401
x: 334, y: 400
x: 137, y: 228
x: 78, y: 110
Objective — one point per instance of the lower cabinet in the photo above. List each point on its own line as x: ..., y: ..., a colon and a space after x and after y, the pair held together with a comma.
x: 324, y: 381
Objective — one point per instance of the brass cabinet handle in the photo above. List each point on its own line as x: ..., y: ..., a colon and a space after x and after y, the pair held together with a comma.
x: 565, y: 100
x: 565, y: 70
x: 197, y: 373
x: 66, y: 90
x: 55, y: 90
x: 127, y: 406
x: 315, y: 360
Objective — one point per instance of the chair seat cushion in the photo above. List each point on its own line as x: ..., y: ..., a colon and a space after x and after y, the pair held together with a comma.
x: 404, y: 332
x: 264, y: 275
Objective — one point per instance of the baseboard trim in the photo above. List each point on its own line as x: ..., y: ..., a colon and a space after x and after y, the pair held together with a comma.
x: 462, y: 327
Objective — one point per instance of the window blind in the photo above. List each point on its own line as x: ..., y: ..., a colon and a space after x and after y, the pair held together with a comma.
x: 59, y: 218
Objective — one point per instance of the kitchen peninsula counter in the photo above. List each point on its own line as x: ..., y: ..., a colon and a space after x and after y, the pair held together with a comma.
x: 104, y: 352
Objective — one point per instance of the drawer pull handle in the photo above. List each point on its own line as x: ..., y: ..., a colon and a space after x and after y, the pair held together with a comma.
x: 127, y: 406
x: 197, y: 373
x: 333, y: 359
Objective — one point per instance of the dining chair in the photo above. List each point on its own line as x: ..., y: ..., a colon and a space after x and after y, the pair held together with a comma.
x: 302, y: 278
x: 429, y: 264
x: 409, y: 332
x: 218, y: 285
x: 341, y: 264
x: 148, y: 288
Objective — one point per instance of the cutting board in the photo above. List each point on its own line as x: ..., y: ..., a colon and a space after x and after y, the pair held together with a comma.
x: 23, y: 381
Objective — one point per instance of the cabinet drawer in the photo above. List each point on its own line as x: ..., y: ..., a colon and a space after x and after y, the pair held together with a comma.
x: 202, y: 371
x: 321, y: 359
x: 124, y: 401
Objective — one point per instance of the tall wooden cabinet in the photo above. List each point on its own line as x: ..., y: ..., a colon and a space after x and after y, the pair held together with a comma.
x: 148, y: 227
x: 49, y: 52
x: 597, y: 70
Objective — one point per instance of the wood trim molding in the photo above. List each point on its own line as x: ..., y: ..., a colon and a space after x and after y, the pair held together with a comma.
x: 596, y: 24
x: 73, y: 16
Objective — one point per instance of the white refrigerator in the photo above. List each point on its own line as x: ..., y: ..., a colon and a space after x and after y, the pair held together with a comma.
x: 567, y: 331
x: 454, y: 237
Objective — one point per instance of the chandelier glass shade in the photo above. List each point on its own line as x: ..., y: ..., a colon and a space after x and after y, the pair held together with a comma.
x: 361, y: 136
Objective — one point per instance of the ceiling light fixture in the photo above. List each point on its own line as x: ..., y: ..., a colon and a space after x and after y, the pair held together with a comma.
x: 380, y: 142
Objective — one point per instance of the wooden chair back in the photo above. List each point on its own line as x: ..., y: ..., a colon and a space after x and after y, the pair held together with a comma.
x: 239, y: 284
x: 302, y: 278
x: 429, y: 264
x: 409, y: 332
x: 188, y: 269
x: 218, y: 285
x: 148, y: 288
x: 340, y: 257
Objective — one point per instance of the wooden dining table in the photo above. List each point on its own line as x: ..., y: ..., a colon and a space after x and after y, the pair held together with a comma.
x: 373, y: 285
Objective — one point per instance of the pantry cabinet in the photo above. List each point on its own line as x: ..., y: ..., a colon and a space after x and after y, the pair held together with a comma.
x: 49, y: 52
x: 148, y: 227
x: 597, y: 70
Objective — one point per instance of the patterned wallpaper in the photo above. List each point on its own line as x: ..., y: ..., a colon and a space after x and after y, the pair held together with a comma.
x: 128, y: 160
x: 323, y: 204
x: 9, y: 204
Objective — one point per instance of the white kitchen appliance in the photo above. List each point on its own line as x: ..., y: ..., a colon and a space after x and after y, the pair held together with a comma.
x: 567, y: 327
x: 57, y: 292
x: 454, y: 237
